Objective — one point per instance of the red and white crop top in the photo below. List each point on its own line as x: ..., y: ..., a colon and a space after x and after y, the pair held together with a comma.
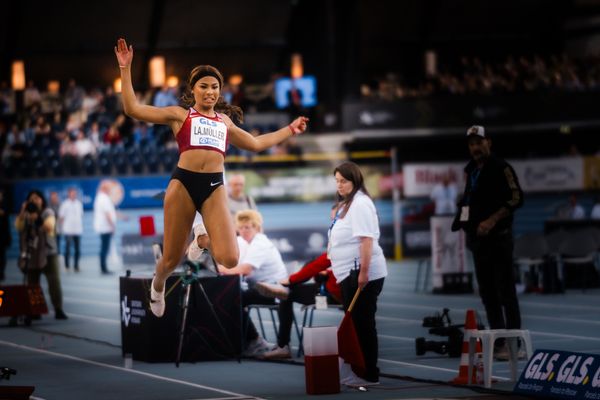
x: 202, y: 132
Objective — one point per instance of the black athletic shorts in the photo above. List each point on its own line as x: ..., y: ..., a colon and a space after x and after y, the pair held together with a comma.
x: 199, y: 185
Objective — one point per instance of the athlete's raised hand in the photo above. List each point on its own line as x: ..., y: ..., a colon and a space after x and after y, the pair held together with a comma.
x: 124, y: 54
x: 299, y: 125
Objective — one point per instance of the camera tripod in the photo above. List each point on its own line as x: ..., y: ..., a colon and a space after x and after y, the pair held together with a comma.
x: 189, y: 278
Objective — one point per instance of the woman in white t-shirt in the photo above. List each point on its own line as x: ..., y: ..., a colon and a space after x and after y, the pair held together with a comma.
x: 358, y: 260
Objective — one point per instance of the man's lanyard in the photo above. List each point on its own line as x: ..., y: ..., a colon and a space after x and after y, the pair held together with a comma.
x: 473, y: 178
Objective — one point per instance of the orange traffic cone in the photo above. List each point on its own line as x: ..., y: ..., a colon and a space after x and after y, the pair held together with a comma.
x: 463, y: 369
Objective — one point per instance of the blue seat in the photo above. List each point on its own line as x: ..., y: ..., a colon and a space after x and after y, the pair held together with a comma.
x: 41, y: 168
x: 105, y: 164
x: 168, y: 158
x: 119, y: 160
x: 88, y: 165
x: 56, y: 166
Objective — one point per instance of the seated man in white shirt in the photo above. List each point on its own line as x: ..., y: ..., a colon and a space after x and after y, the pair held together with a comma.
x: 260, y: 261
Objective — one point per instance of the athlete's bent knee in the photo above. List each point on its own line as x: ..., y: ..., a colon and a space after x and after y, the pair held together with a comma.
x: 170, y: 263
x: 228, y: 260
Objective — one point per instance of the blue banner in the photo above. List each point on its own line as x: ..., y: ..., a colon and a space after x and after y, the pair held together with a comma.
x: 561, y: 375
x: 295, y: 244
x: 126, y: 192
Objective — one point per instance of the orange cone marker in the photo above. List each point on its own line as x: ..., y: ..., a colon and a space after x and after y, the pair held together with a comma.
x: 463, y: 369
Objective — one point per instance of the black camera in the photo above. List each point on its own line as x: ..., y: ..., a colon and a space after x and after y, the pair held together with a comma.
x: 441, y: 325
x: 437, y: 320
x: 6, y: 372
x: 31, y: 207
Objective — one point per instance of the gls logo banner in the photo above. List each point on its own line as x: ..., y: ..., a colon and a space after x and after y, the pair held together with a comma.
x: 562, y: 375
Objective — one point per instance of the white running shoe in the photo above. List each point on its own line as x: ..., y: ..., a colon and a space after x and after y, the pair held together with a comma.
x: 350, y: 379
x: 357, y: 382
x: 157, y: 301
x: 257, y: 347
x: 278, y: 353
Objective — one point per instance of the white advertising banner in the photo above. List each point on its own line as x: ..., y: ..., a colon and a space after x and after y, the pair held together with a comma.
x: 553, y: 174
x: 448, y: 250
x: 541, y: 175
x: 419, y: 179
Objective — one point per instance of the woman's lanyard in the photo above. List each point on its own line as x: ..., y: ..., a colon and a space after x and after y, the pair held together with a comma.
x: 337, y: 215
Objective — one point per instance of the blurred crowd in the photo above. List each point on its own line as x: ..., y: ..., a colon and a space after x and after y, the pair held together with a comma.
x: 84, y: 131
x: 473, y: 75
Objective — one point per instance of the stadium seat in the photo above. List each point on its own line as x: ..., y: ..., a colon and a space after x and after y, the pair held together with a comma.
x: 578, y: 253
x: 168, y: 158
x: 56, y: 166
x: 119, y: 159
x: 531, y: 251
x: 41, y: 168
x: 137, y: 166
x: 24, y: 168
x: 88, y: 165
x: 104, y: 164
x: 152, y: 162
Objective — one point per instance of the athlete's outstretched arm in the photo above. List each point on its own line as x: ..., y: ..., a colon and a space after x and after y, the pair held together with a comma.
x: 244, y: 140
x: 156, y: 115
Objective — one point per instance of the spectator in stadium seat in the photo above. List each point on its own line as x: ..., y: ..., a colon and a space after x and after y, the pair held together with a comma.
x: 165, y: 97
x: 73, y: 97
x: 571, y: 210
x: 31, y: 96
x: 202, y: 130
x: 112, y: 137
x: 83, y: 145
x: 95, y: 136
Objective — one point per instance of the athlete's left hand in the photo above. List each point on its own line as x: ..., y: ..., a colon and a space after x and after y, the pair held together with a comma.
x: 299, y: 125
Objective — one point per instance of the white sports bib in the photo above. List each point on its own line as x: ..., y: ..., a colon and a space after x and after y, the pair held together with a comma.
x: 209, y: 133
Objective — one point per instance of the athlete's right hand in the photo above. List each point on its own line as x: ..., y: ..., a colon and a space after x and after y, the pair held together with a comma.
x: 298, y: 125
x: 124, y: 54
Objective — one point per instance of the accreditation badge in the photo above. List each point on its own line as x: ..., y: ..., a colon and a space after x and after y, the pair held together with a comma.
x: 321, y: 302
x: 464, y: 214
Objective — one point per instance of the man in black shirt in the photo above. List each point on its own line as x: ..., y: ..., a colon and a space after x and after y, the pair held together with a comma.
x: 485, y: 213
